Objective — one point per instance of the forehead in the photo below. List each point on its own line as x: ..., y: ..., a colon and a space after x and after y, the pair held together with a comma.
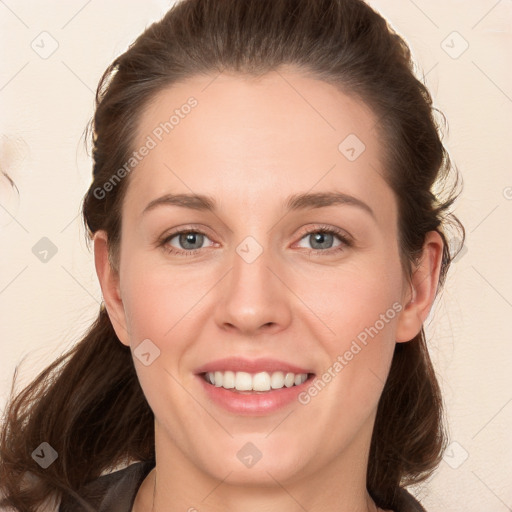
x: 246, y: 139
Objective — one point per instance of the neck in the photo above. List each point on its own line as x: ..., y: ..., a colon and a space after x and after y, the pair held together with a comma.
x: 252, y: 501
x: 337, y: 487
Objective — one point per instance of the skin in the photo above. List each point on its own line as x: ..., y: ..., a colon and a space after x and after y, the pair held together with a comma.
x: 250, y: 143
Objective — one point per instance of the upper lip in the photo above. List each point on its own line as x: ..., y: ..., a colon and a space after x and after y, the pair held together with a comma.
x: 240, y: 364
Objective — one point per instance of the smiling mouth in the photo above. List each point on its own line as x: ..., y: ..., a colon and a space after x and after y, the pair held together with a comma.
x: 261, y: 382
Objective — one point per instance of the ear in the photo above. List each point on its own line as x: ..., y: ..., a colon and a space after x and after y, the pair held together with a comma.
x: 109, y: 282
x: 424, y: 283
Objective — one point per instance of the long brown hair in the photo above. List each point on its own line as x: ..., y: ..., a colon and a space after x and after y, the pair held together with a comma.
x: 88, y: 405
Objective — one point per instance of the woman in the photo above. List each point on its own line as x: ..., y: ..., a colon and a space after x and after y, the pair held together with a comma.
x: 268, y: 245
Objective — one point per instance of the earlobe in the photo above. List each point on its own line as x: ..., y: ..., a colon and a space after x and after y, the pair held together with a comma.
x: 424, y: 282
x: 109, y: 282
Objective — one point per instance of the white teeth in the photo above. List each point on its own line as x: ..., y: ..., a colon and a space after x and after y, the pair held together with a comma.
x: 277, y: 380
x: 243, y: 381
x: 262, y: 381
x: 228, y: 380
x: 289, y: 380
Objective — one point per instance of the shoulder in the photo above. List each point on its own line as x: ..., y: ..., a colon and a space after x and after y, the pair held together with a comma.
x: 406, y: 502
x: 114, y: 492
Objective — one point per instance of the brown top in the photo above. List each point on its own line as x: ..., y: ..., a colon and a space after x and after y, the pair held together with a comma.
x: 116, y: 492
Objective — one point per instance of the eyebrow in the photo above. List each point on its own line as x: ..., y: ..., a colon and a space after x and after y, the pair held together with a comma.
x: 293, y: 203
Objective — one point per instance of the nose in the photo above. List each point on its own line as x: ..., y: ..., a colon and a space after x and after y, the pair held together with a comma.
x: 253, y: 297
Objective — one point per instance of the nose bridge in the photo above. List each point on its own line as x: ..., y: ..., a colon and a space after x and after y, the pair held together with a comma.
x: 250, y: 265
x: 253, y: 297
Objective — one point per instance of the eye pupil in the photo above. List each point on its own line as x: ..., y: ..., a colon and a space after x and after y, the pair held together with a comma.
x: 190, y: 238
x: 321, y: 239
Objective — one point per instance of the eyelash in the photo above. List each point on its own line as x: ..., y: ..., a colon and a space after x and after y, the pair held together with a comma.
x: 346, y: 241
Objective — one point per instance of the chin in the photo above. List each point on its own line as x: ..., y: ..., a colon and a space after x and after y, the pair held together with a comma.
x: 255, y: 460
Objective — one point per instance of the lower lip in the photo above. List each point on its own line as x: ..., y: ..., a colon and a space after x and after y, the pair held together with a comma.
x: 254, y: 402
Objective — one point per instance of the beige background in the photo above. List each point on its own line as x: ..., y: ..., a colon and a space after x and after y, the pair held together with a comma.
x: 46, y: 103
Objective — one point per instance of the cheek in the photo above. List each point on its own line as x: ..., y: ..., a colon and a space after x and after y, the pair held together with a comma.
x: 354, y: 298
x: 359, y: 308
x: 158, y: 300
x: 161, y: 305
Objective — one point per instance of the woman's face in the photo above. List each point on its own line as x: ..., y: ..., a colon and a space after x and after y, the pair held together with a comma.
x: 257, y: 286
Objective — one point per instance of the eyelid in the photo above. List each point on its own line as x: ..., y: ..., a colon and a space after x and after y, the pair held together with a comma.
x: 166, y: 237
x: 346, y: 239
x: 344, y: 235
